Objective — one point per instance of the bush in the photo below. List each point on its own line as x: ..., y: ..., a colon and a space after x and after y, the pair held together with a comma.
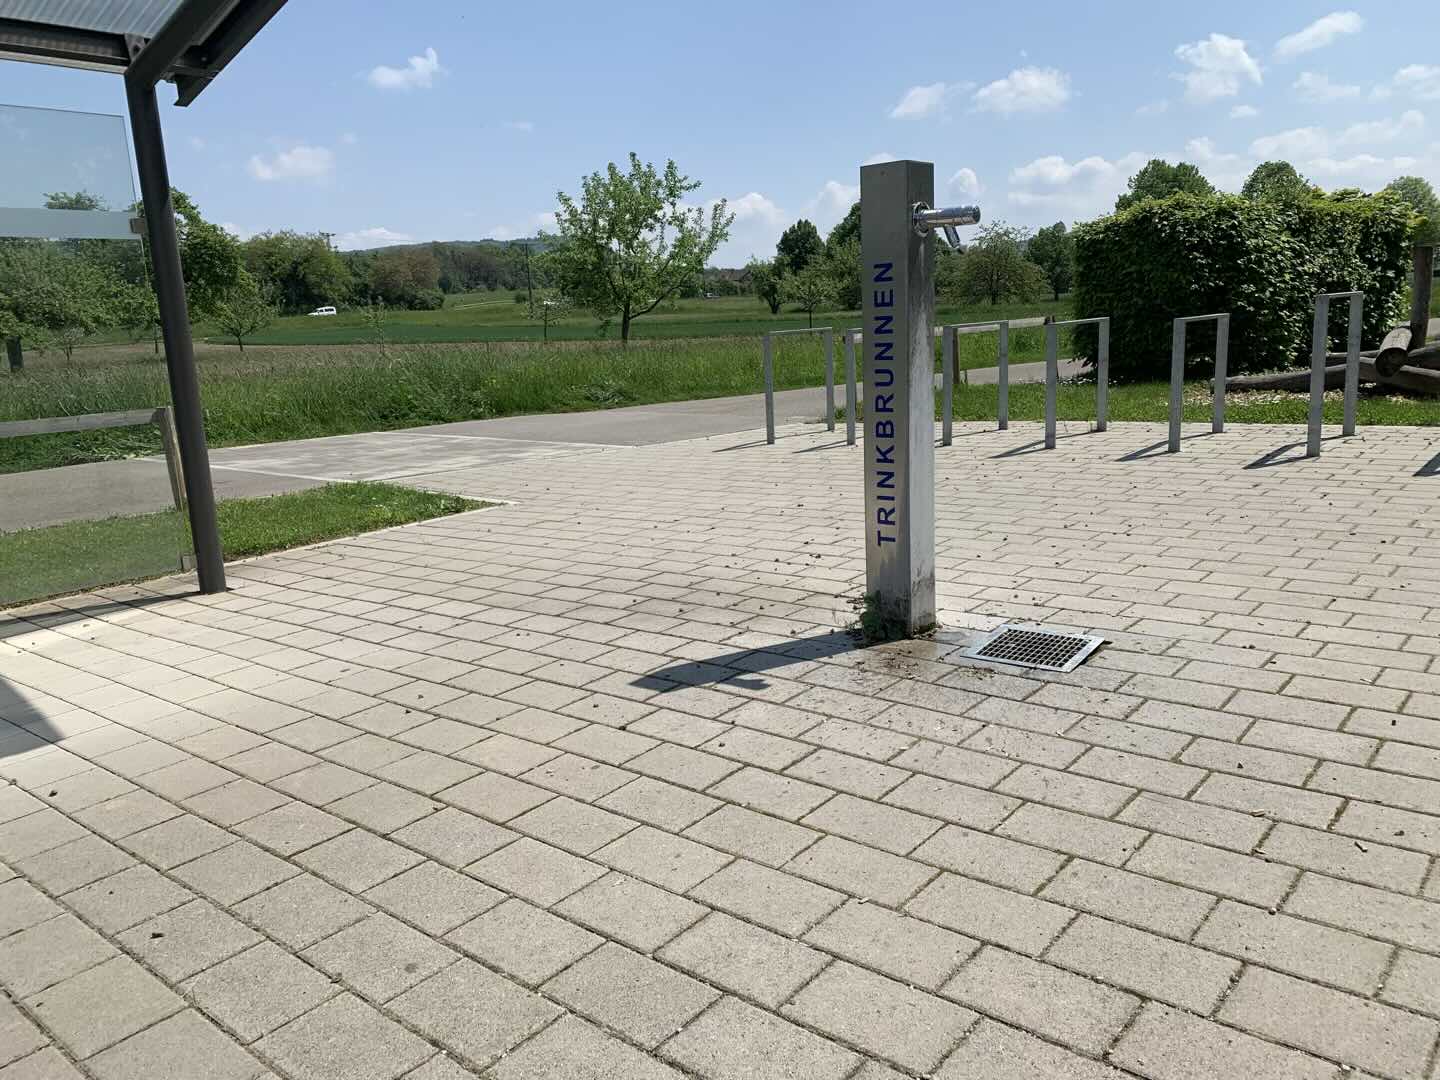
x: 1261, y: 261
x: 427, y: 300
x: 520, y: 298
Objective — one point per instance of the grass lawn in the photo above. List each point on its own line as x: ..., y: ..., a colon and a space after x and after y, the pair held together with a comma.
x: 58, y: 559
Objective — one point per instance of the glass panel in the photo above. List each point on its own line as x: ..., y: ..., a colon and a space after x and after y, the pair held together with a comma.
x: 66, y: 175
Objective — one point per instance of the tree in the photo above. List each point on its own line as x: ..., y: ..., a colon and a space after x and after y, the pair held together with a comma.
x: 629, y: 243
x: 1416, y: 192
x: 1159, y: 180
x: 994, y: 267
x: 798, y: 247
x: 210, y: 256
x: 243, y: 310
x: 1275, y: 181
x: 407, y: 277
x: 52, y: 297
x: 1052, y: 249
x: 842, y: 265
x: 766, y: 280
x: 301, y: 270
x: 848, y: 229
x: 808, y: 289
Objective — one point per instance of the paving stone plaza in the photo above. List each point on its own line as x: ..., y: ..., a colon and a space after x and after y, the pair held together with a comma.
x: 594, y: 784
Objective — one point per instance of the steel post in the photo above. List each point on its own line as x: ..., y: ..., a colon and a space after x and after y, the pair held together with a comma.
x: 175, y: 326
x: 1352, y: 362
x: 1177, y: 381
x: 1102, y: 377
x: 1317, y: 374
x: 949, y: 349
x: 898, y: 290
x: 1004, y: 376
x: 1052, y: 380
x: 850, y: 389
x: 1222, y: 363
x: 769, y: 364
x: 829, y: 336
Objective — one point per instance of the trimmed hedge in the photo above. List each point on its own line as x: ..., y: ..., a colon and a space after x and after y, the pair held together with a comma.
x: 1263, y: 262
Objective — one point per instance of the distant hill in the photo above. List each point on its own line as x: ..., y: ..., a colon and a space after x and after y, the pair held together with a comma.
x: 536, y: 243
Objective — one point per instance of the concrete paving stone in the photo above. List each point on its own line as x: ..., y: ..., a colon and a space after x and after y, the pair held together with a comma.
x: 631, y: 911
x: 234, y: 802
x: 629, y: 993
x: 990, y: 858
x: 1232, y: 757
x: 187, y: 940
x: 344, y: 1039
x: 571, y: 1049
x: 367, y: 752
x: 536, y: 872
x: 357, y: 860
x: 47, y: 1064
x: 994, y: 1051
x: 186, y: 778
x: 85, y: 789
x: 753, y: 836
x: 928, y: 722
x: 233, y: 873
x: 772, y: 898
x: 507, y: 754
x: 323, y: 783
x: 382, y: 808
x: 176, y: 841
x: 125, y: 814
x: 379, y: 957
x: 1240, y: 877
x: 758, y: 748
x: 1066, y: 790
x: 575, y: 826
x: 49, y: 952
x: 744, y: 959
x: 443, y: 736
x: 1373, y: 912
x: 291, y: 828
x: 18, y: 1036
x: 1130, y: 738
x: 15, y: 802
x: 1296, y: 946
x: 783, y: 796
x: 579, y: 777
x: 956, y: 763
x: 301, y: 911
x: 433, y: 897
x: 1371, y: 785
x: 22, y: 905
x: 1189, y: 720
x: 1342, y: 857
x: 473, y: 1012
x: 1414, y: 983
x: 269, y: 761
x: 662, y: 804
x: 1168, y: 1044
x: 1151, y: 966
x: 122, y: 900
x: 661, y: 858
x: 1076, y: 834
x: 258, y: 990
x: 35, y: 833
x: 983, y: 911
x: 604, y: 743
x: 884, y: 1018
x: 440, y: 1067
x: 496, y: 797
x: 1043, y: 999
x: 387, y: 719
x: 524, y: 941
x: 875, y: 824
x: 220, y: 742
x: 915, y: 952
x: 426, y: 772
x: 1130, y: 898
x: 740, y: 1041
x: 1190, y: 821
x: 682, y: 765
x: 1331, y: 1023
x: 859, y: 740
x: 842, y: 772
x: 1277, y: 801
x: 454, y: 837
x: 949, y: 801
x: 99, y: 1007
x: 861, y: 871
x: 536, y: 725
x: 1029, y: 746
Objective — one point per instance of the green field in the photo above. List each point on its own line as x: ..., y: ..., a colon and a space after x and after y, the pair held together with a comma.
x: 36, y: 563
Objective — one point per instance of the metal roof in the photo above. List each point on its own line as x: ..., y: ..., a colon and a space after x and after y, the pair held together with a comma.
x: 186, y: 41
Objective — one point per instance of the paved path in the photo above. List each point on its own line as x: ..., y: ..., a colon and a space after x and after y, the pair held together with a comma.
x: 593, y: 784
x: 137, y: 486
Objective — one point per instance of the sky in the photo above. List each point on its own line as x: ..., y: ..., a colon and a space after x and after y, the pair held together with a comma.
x: 436, y: 120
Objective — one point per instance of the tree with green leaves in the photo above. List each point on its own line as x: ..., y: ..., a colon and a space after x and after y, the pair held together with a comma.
x: 210, y: 256
x: 53, y: 297
x: 1416, y: 192
x: 798, y: 247
x: 1053, y: 250
x: 848, y: 227
x: 1159, y: 180
x: 407, y: 277
x: 243, y: 310
x: 765, y: 278
x: 1276, y: 181
x: 628, y: 242
x: 301, y: 270
x: 995, y: 268
x: 808, y: 289
x: 842, y: 264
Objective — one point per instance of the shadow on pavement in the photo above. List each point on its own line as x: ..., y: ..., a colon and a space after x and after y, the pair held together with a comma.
x: 1160, y: 448
x: 735, y: 666
x: 1274, y: 457
x: 1430, y: 468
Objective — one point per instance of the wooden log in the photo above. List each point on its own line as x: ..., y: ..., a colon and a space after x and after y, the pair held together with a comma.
x: 1393, y: 350
x: 1289, y: 380
x: 1414, y: 380
x: 1420, y: 287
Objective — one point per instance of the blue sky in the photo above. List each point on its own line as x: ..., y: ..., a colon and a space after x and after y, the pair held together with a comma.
x: 435, y: 120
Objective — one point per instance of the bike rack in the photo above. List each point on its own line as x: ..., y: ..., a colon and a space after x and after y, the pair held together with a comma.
x: 950, y: 358
x: 1177, y: 372
x: 852, y: 396
x: 1052, y: 374
x: 1317, y: 365
x: 769, y: 352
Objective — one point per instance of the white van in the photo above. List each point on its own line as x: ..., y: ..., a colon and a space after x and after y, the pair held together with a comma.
x: 327, y: 310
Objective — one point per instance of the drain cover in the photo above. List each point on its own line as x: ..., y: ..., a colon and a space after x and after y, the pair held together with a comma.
x: 1033, y: 647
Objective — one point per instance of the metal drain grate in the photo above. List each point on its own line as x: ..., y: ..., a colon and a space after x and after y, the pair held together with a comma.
x: 1034, y: 647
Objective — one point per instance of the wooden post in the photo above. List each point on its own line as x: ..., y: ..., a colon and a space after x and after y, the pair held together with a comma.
x: 17, y: 357
x: 1420, y: 293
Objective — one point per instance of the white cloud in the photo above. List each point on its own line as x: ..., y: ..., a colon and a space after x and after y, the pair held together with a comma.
x: 1154, y: 108
x: 419, y: 72
x: 1082, y: 188
x: 1244, y: 112
x: 542, y: 221
x: 1226, y: 171
x: 1219, y: 66
x: 1419, y: 81
x: 754, y: 207
x: 1317, y: 89
x: 237, y: 231
x: 1317, y: 144
x: 879, y: 159
x: 1411, y: 122
x: 520, y: 125
x: 1028, y: 89
x: 964, y: 182
x: 298, y: 163
x: 1318, y: 34
x: 378, y: 236
x: 921, y: 101
x: 1295, y: 143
